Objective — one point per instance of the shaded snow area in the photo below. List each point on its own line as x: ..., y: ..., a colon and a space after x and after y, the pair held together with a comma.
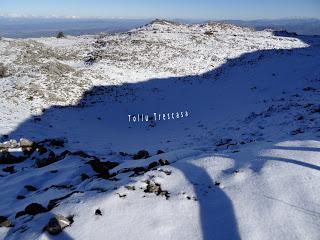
x: 244, y: 163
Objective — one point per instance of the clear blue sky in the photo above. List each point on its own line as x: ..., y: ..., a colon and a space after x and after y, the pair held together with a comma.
x: 201, y: 9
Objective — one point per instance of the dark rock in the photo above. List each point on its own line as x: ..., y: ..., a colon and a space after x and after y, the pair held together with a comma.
x: 30, y: 188
x: 309, y: 89
x: 84, y: 177
x: 300, y: 117
x: 315, y: 110
x: 3, y: 70
x: 217, y: 184
x: 52, y: 158
x: 98, y: 212
x: 20, y: 197
x: 5, y: 222
x: 55, y: 202
x: 297, y: 131
x: 223, y: 142
x: 153, y: 165
x: 81, y: 154
x: 143, y: 154
x: 57, y: 142
x: 139, y: 169
x: 57, y: 224
x: 60, y: 35
x: 209, y: 33
x: 41, y: 150
x: 34, y: 209
x: 9, y: 169
x: 160, y: 152
x: 19, y: 214
x: 122, y: 195
x: 102, y: 168
x: 123, y: 154
x: 164, y: 162
x: 7, y: 158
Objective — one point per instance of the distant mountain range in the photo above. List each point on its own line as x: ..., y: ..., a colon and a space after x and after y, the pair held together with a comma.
x: 45, y: 27
x: 299, y: 25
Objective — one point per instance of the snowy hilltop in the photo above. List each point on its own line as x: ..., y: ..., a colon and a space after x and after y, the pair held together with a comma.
x: 167, y: 131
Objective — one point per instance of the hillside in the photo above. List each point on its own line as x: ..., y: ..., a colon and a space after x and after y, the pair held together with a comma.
x: 232, y: 152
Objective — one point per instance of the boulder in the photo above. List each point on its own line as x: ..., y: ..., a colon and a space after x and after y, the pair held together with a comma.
x: 30, y: 188
x: 5, y: 222
x: 25, y: 143
x: 57, y: 224
x: 34, y: 209
x: 98, y: 212
x: 142, y: 154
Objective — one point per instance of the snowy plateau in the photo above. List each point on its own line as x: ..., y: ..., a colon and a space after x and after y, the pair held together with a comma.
x: 244, y: 164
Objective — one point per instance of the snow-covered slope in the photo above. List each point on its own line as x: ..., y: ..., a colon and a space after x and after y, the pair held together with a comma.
x: 242, y: 162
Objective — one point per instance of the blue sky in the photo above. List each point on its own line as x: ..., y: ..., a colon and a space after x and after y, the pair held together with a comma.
x: 196, y: 9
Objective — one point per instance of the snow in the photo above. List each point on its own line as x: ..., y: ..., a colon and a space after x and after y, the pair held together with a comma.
x: 243, y: 165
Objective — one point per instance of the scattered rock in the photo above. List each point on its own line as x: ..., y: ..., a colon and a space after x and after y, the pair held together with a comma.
x: 160, y: 152
x: 131, y: 188
x: 223, y: 142
x: 136, y: 170
x: 3, y: 71
x: 209, y: 33
x: 315, y: 110
x: 102, y: 168
x: 5, y: 222
x: 142, y: 154
x: 100, y: 43
x: 19, y: 214
x: 58, y: 142
x: 9, y: 169
x: 30, y: 188
x: 7, y: 158
x: 34, y: 209
x: 57, y: 224
x: 153, y: 165
x: 51, y: 158
x: 123, y: 154
x: 55, y: 202
x: 153, y: 187
x: 122, y: 195
x: 84, y: 176
x: 307, y: 89
x: 300, y: 117
x: 60, y: 35
x: 164, y: 162
x: 160, y: 162
x: 297, y: 131
x: 98, y: 212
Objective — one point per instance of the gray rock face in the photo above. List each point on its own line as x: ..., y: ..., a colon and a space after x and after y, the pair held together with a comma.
x: 57, y: 224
